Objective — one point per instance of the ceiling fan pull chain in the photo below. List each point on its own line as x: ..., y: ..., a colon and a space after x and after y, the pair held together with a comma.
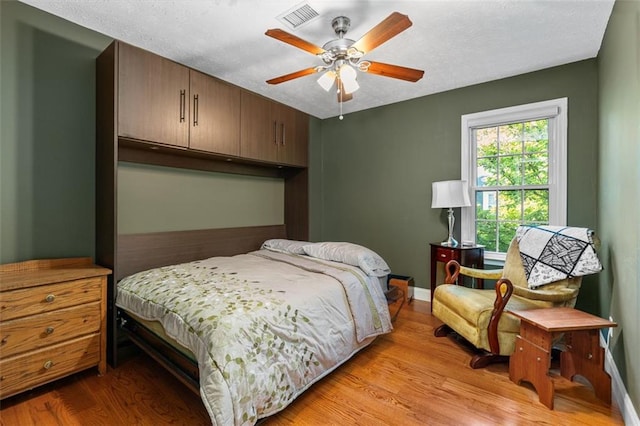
x: 340, y: 93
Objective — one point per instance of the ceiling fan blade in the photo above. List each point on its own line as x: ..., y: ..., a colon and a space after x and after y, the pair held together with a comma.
x: 390, y: 27
x: 342, y: 95
x: 292, y: 76
x: 395, y: 71
x: 285, y: 37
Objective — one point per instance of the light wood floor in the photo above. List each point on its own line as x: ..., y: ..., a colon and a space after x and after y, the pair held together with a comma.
x: 408, y: 377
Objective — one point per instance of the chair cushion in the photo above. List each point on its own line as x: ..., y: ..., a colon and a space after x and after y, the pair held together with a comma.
x: 556, y: 292
x: 468, y: 312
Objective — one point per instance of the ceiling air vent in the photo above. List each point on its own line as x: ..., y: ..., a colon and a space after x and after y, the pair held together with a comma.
x: 300, y: 15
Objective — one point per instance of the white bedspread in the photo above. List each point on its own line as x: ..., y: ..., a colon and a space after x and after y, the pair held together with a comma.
x: 264, y: 326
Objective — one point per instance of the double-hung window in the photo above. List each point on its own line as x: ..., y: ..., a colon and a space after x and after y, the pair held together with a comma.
x: 515, y: 161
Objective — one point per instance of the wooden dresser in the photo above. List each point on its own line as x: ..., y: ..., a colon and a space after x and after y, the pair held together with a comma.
x: 52, y: 321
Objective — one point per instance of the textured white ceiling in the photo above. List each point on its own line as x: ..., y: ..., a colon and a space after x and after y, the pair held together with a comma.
x: 456, y: 43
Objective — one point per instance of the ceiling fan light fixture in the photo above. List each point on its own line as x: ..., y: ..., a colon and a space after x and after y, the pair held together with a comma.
x: 326, y: 80
x: 348, y: 77
x: 354, y: 53
x: 364, y: 66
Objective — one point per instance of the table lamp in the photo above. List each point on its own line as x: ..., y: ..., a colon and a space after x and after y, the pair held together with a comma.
x: 448, y: 194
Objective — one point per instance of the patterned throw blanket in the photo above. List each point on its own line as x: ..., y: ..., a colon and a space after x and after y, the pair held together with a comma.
x: 553, y: 253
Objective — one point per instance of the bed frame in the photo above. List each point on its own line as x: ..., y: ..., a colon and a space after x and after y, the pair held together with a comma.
x: 139, y: 252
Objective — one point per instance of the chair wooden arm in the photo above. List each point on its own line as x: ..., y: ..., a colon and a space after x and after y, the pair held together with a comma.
x: 453, y: 269
x: 504, y: 290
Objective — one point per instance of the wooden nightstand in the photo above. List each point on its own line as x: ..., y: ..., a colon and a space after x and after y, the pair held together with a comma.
x: 53, y: 321
x: 470, y: 256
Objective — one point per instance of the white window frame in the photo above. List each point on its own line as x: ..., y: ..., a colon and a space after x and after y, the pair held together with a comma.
x: 556, y: 110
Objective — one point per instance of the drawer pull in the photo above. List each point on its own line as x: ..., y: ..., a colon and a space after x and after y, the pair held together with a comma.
x: 4, y: 340
x: 443, y: 255
x: 47, y: 365
x: 48, y: 330
x: 50, y: 298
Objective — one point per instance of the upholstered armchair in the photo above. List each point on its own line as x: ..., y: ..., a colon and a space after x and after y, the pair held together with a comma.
x: 482, y: 317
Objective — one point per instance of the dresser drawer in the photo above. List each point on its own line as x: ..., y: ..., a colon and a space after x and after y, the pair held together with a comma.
x: 38, y: 367
x: 45, y: 298
x: 33, y: 332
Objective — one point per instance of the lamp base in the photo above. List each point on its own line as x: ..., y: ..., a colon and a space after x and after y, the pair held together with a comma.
x: 451, y: 242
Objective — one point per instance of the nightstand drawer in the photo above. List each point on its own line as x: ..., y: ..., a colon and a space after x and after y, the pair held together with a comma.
x: 444, y: 254
x: 33, y: 332
x: 34, y: 368
x: 45, y: 298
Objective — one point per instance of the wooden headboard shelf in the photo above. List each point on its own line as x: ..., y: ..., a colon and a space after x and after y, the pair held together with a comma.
x: 139, y: 252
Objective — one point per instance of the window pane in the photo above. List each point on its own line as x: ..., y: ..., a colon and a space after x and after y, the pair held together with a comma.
x: 536, y: 206
x: 506, y: 232
x: 486, y: 205
x: 510, y: 137
x: 510, y: 205
x: 487, y: 171
x: 487, y: 141
x: 510, y: 170
x: 536, y: 169
x: 536, y: 136
x: 486, y: 235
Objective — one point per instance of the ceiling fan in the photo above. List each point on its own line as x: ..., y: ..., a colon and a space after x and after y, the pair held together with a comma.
x: 342, y: 56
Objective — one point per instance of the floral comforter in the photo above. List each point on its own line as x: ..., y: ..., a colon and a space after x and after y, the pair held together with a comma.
x: 263, y: 326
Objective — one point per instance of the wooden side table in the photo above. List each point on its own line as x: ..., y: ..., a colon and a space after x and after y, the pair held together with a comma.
x: 584, y: 356
x: 469, y: 256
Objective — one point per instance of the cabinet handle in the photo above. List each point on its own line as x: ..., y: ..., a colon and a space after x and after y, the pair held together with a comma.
x: 182, y: 105
x: 48, y: 330
x: 195, y: 110
x: 275, y: 132
x: 283, y: 134
x: 50, y: 298
x: 47, y: 365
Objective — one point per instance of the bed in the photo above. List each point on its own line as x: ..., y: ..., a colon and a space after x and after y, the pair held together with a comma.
x: 253, y: 331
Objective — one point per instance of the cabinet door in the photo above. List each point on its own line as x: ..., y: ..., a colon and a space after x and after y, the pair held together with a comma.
x: 215, y: 115
x: 258, y: 139
x: 152, y: 97
x: 284, y: 119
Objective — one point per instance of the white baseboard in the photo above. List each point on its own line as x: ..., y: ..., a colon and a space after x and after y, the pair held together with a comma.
x: 423, y: 294
x: 619, y: 393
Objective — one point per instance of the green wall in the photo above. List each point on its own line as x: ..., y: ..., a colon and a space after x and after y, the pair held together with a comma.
x: 372, y: 171
x: 47, y: 131
x: 619, y: 188
x: 47, y: 161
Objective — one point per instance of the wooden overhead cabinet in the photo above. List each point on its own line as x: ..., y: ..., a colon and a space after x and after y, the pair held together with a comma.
x: 272, y: 132
x: 160, y: 101
x: 153, y: 97
x: 215, y: 115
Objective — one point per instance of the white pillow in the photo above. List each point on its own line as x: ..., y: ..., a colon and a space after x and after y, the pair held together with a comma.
x: 352, y: 254
x: 285, y: 246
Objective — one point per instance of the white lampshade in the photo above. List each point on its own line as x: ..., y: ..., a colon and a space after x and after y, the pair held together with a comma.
x: 348, y: 77
x: 450, y: 193
x: 326, y: 80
